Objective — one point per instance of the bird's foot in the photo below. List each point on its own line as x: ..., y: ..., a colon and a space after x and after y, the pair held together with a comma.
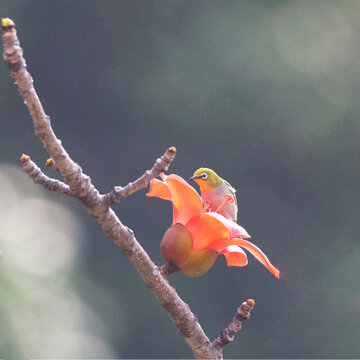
x: 207, y: 207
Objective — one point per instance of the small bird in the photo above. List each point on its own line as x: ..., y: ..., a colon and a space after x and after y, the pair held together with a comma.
x: 217, y: 194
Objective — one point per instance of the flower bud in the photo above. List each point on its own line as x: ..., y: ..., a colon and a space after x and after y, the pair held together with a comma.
x: 176, y: 248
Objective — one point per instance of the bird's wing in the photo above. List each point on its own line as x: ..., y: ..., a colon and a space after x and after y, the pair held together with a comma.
x: 232, y: 190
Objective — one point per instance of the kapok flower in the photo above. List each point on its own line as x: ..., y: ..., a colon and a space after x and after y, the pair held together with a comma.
x: 195, y: 238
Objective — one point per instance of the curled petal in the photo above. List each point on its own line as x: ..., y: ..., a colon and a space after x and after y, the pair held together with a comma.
x: 186, y: 201
x: 205, y: 230
x: 159, y: 189
x: 259, y: 255
x: 253, y: 249
x: 235, y: 256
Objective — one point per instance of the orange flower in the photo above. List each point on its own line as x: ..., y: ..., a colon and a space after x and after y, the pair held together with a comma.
x: 195, y: 238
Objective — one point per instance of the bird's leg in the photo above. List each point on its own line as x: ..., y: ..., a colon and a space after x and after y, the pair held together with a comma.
x: 227, y: 198
x: 207, y: 207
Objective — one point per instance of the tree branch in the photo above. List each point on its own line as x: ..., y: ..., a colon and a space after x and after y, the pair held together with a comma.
x: 79, y: 185
x: 227, y: 335
x: 161, y: 165
x: 40, y: 178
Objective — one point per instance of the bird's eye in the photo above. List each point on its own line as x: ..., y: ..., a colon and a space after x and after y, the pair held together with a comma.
x: 204, y: 176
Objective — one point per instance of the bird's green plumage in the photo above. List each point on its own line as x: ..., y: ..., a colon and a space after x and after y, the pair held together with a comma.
x: 213, y: 179
x: 213, y: 191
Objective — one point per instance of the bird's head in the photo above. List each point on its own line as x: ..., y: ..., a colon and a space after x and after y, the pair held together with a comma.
x: 206, y: 178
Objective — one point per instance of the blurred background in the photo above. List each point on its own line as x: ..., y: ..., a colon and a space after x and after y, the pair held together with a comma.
x: 264, y: 92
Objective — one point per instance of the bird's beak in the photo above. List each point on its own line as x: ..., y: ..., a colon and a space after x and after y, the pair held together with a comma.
x: 194, y: 178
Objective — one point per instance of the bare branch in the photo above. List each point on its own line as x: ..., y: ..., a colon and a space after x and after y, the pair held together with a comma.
x: 79, y: 185
x: 227, y: 335
x: 71, y: 172
x: 161, y: 165
x: 40, y: 178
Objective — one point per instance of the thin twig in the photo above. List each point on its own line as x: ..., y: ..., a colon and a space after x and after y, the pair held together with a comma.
x: 227, y: 335
x: 40, y: 178
x: 161, y: 165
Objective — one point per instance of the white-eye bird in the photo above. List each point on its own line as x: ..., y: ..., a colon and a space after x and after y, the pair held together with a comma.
x: 217, y: 194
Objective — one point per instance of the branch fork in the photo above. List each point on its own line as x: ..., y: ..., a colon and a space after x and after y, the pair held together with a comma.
x: 78, y: 185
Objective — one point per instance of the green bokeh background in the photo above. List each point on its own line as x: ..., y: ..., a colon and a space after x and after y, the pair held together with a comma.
x: 264, y: 92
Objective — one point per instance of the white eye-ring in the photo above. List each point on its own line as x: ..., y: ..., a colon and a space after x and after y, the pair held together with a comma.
x: 204, y: 176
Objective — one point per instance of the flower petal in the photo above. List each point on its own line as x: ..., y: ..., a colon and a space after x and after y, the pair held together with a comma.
x: 205, y: 230
x: 186, y: 201
x: 159, y: 189
x: 235, y: 256
x: 235, y: 229
x: 253, y: 249
x: 210, y: 230
x: 259, y: 255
